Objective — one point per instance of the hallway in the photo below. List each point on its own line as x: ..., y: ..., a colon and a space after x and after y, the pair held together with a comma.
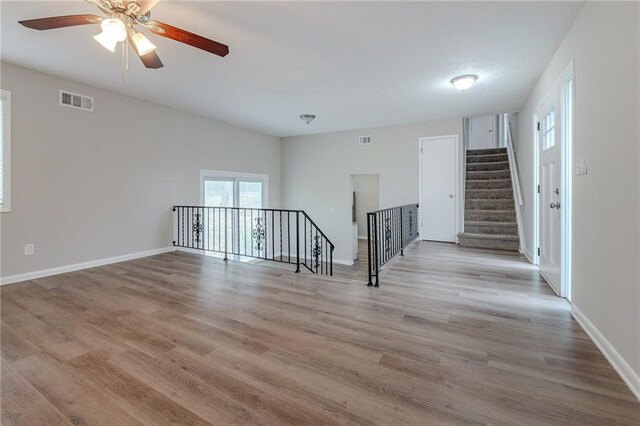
x: 452, y: 336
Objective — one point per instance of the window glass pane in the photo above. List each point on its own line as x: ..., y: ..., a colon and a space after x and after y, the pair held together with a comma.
x: 218, y: 193
x: 250, y: 194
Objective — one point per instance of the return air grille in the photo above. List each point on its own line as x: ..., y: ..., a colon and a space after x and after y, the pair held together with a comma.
x: 74, y: 100
x: 364, y: 140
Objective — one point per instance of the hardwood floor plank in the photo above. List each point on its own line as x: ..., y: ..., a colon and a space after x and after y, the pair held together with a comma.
x: 138, y: 399
x: 80, y: 402
x: 452, y: 336
x: 22, y: 404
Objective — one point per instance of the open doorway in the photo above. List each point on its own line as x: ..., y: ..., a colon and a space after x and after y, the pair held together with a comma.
x: 365, y: 190
x: 553, y: 130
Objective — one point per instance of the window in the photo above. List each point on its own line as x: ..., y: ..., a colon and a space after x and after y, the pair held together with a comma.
x: 244, y: 191
x: 5, y: 151
x: 549, y: 130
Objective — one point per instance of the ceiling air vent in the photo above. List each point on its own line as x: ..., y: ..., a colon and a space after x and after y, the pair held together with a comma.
x: 73, y: 100
x: 364, y: 140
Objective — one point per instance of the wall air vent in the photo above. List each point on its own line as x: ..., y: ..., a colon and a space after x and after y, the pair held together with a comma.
x: 74, y: 100
x: 364, y: 140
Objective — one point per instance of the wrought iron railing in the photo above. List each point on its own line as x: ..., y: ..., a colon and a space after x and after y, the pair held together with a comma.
x: 286, y: 236
x: 389, y: 231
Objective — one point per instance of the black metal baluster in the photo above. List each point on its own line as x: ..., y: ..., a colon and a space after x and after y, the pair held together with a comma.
x: 297, y: 242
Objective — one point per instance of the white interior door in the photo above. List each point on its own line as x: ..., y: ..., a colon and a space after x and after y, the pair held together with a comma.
x: 550, y: 174
x: 482, y: 132
x: 438, y: 206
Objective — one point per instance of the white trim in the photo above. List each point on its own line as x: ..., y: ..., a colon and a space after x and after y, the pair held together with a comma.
x: 362, y: 237
x: 218, y: 174
x: 83, y: 265
x: 630, y: 377
x: 5, y: 207
x: 458, y: 183
x: 528, y: 255
x: 566, y: 179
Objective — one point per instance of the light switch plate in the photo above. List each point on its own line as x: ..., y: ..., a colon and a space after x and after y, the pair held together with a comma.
x: 582, y: 166
x: 29, y: 249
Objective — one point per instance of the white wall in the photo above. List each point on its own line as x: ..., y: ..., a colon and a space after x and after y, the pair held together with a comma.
x: 367, y: 189
x: 88, y: 186
x: 606, y: 229
x: 317, y: 170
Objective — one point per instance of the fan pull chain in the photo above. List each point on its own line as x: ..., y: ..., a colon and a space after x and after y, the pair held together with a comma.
x: 125, y: 60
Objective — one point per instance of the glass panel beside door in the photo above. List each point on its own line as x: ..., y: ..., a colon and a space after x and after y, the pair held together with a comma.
x: 235, y: 226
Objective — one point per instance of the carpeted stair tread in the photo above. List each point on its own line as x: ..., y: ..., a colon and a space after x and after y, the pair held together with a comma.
x: 490, y: 216
x: 488, y: 174
x: 489, y: 236
x: 488, y: 184
x: 482, y: 167
x: 489, y: 158
x: 487, y: 151
x: 489, y: 194
x: 482, y: 222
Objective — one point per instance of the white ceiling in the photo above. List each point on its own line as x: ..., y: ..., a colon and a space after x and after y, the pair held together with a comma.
x: 353, y: 64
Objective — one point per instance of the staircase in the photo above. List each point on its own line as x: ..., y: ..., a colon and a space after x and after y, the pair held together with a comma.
x: 490, y: 216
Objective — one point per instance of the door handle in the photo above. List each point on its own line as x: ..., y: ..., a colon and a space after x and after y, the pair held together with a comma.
x: 450, y: 195
x: 555, y: 206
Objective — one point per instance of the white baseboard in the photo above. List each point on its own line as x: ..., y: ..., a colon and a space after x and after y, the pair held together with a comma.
x: 528, y: 255
x: 10, y: 279
x: 630, y: 377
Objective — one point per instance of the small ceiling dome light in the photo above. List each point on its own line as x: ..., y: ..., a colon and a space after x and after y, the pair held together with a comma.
x: 464, y: 82
x: 307, y: 118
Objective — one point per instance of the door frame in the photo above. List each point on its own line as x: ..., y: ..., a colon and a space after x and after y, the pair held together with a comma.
x: 217, y: 174
x: 458, y: 180
x: 566, y: 84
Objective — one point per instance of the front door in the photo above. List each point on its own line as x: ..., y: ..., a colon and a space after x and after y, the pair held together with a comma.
x: 550, y: 155
x: 438, y: 207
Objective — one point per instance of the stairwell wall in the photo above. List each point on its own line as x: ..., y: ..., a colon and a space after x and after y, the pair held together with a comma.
x: 604, y: 43
x: 317, y: 169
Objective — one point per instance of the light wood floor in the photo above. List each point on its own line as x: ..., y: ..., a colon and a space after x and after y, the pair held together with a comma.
x: 452, y: 336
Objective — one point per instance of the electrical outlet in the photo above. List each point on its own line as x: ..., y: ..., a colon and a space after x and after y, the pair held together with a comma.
x: 29, y: 249
x: 582, y: 166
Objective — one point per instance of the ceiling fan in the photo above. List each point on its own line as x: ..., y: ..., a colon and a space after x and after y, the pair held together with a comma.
x: 124, y: 17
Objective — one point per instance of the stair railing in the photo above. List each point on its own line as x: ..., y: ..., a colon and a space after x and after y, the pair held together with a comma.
x: 515, y: 180
x: 389, y: 231
x: 285, y: 236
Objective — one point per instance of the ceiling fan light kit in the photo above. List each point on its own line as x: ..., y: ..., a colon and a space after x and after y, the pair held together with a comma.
x: 120, y: 25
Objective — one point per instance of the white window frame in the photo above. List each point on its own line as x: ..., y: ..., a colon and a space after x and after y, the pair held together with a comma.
x: 216, y: 174
x: 6, y: 152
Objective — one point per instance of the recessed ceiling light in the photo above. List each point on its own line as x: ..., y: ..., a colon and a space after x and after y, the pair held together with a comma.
x: 464, y: 82
x: 307, y: 118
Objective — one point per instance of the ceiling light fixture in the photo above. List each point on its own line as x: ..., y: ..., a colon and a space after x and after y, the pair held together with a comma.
x: 143, y: 45
x: 307, y: 118
x: 113, y: 31
x: 464, y: 82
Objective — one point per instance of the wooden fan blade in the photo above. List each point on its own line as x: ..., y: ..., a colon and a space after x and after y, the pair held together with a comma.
x: 150, y: 60
x: 186, y: 37
x: 60, y: 22
x: 146, y: 5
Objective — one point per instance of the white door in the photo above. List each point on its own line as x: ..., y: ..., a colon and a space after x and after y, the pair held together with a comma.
x: 550, y: 155
x: 438, y: 206
x: 482, y: 132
